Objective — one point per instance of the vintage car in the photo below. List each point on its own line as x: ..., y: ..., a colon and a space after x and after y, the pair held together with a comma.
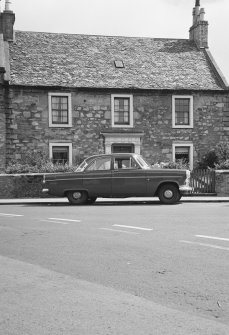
x: 117, y: 176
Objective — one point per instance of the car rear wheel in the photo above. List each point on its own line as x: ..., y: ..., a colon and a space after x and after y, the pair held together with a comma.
x: 77, y: 197
x: 169, y: 194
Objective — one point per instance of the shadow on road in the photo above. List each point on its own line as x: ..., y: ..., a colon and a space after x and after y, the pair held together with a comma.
x: 100, y: 204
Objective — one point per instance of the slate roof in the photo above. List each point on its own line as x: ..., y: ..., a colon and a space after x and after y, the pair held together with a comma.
x: 68, y: 60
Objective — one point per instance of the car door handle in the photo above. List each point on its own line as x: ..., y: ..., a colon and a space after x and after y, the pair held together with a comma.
x: 148, y: 179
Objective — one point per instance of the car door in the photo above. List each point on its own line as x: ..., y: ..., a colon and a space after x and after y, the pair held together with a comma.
x: 128, y: 179
x: 97, y: 177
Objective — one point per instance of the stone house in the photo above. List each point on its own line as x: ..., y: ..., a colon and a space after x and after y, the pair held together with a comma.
x: 77, y: 95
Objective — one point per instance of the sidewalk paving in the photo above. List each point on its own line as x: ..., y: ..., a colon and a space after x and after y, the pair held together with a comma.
x: 192, y: 199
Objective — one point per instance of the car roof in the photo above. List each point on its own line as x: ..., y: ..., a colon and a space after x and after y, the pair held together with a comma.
x: 88, y: 159
x: 112, y: 155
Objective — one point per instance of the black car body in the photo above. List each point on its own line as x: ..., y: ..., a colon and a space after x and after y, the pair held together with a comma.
x: 118, y: 176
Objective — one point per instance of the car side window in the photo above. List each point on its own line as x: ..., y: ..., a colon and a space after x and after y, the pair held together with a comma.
x: 125, y: 163
x: 100, y: 164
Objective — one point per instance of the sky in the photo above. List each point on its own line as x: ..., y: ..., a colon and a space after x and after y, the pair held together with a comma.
x: 144, y: 18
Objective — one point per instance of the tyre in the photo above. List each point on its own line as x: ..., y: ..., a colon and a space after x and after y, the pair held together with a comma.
x: 169, y: 194
x: 77, y: 197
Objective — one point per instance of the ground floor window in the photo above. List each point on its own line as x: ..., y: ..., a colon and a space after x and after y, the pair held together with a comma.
x: 60, y: 153
x: 183, y: 152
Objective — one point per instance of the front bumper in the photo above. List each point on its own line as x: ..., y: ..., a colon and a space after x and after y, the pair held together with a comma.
x: 185, y: 189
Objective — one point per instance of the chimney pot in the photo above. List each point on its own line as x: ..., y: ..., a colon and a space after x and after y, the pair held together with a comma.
x: 202, y: 13
x: 7, y: 6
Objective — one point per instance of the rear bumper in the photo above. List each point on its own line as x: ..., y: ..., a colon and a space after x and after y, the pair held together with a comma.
x: 45, y: 190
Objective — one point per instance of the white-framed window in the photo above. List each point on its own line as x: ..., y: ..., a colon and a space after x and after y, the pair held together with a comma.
x: 122, y: 110
x: 60, y: 153
x: 183, y: 152
x: 182, y: 111
x: 60, y: 109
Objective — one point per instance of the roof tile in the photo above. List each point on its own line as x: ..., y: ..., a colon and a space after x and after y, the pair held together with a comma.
x: 65, y: 60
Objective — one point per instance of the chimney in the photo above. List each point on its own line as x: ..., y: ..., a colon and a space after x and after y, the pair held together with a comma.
x: 199, y: 30
x: 7, y: 19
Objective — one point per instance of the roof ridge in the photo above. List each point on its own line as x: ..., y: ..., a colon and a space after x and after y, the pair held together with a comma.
x: 108, y: 36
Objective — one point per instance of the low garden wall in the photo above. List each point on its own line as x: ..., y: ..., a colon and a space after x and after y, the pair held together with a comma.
x: 222, y: 183
x: 14, y: 186
x: 21, y: 186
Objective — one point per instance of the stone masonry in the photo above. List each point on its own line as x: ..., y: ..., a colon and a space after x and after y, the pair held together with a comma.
x: 27, y: 123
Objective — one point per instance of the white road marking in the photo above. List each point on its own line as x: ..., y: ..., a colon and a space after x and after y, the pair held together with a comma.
x: 213, y: 238
x: 132, y: 227
x: 205, y: 245
x: 64, y: 219
x: 52, y: 221
x: 120, y: 231
x: 4, y: 214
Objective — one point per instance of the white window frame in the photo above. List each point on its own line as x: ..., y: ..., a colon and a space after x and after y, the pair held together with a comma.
x: 129, y: 96
x: 60, y: 125
x: 183, y: 144
x: 60, y: 144
x: 190, y: 125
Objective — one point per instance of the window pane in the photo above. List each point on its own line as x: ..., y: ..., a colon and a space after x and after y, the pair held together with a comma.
x: 182, y: 114
x: 60, y: 155
x: 122, y: 111
x: 182, y: 153
x: 100, y: 164
x: 59, y: 110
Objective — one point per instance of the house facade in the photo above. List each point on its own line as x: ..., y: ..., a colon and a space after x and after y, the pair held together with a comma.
x: 77, y: 95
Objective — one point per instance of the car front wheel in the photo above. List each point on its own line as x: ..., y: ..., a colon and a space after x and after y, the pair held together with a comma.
x: 77, y: 197
x: 169, y: 194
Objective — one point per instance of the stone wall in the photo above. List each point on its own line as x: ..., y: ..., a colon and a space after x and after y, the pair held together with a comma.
x: 222, y: 183
x: 2, y: 130
x: 21, y: 186
x: 28, y: 123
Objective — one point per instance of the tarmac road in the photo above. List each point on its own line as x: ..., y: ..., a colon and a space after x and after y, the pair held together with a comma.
x: 121, y: 268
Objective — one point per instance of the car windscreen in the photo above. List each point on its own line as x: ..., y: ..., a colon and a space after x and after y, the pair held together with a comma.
x: 144, y: 165
x: 82, y: 166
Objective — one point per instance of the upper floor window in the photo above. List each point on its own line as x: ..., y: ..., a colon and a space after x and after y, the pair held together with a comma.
x: 182, y: 111
x: 122, y: 110
x: 60, y: 112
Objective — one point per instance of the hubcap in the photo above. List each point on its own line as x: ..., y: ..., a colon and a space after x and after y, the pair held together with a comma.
x: 76, y: 195
x: 168, y: 194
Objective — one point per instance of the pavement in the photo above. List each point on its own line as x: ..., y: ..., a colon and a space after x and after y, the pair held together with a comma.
x: 186, y: 199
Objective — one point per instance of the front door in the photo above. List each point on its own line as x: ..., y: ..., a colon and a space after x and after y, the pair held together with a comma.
x: 127, y: 179
x: 98, y: 176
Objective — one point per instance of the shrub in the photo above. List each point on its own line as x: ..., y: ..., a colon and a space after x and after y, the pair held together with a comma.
x: 179, y: 164
x: 208, y: 161
x: 223, y: 165
x: 37, y: 162
x: 215, y: 157
x: 45, y: 168
x: 222, y: 152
